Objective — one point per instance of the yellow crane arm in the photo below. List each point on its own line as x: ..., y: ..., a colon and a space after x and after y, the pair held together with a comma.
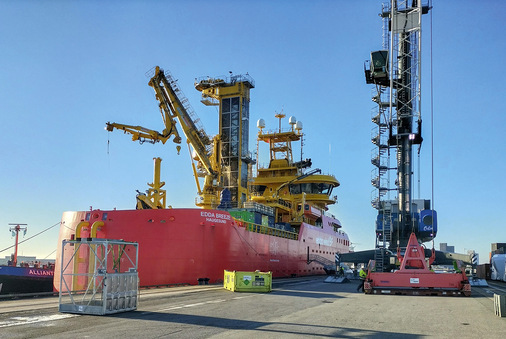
x: 171, y: 105
x: 144, y: 134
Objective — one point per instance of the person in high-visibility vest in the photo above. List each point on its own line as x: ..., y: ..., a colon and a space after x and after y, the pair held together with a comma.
x: 362, y: 276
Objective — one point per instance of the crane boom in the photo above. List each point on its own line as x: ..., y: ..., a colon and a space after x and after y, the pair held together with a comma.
x: 174, y: 108
x: 171, y: 106
x: 144, y: 134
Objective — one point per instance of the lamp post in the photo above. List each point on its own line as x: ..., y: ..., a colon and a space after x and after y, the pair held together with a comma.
x: 16, y: 229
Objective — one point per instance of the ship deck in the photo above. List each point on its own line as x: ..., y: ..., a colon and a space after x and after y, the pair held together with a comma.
x: 301, y: 307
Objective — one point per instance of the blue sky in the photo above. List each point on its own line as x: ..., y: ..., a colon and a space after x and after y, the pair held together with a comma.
x: 70, y: 66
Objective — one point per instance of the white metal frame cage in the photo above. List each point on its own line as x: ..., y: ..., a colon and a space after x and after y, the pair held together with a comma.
x: 99, y: 277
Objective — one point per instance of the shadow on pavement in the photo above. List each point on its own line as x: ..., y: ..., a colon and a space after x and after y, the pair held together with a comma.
x: 263, y: 329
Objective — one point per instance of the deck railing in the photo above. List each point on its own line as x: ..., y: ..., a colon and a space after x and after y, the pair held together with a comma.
x: 262, y: 229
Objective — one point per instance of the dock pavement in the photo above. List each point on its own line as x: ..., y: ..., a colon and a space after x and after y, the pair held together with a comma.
x: 296, y: 308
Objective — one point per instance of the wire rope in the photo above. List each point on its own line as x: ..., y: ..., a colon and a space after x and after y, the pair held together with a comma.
x: 49, y: 254
x: 432, y: 122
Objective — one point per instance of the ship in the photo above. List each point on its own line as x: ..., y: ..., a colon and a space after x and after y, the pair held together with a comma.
x: 273, y: 218
x: 24, y: 278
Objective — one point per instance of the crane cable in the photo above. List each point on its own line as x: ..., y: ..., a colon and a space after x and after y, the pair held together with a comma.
x: 432, y: 125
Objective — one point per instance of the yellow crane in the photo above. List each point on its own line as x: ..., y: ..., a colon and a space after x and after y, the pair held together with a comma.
x: 174, y: 108
x: 174, y: 105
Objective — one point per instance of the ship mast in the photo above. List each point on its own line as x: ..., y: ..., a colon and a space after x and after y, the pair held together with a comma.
x: 16, y: 229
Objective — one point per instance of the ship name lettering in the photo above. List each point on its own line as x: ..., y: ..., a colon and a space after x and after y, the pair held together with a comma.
x: 223, y: 216
x: 40, y: 272
x: 212, y: 215
x: 326, y: 242
x: 220, y: 221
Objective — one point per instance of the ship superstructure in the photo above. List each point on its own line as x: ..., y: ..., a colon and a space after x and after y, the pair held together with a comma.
x: 225, y: 162
x: 297, y: 196
x: 276, y: 220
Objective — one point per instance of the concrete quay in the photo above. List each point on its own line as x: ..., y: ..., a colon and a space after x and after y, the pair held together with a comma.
x: 296, y: 308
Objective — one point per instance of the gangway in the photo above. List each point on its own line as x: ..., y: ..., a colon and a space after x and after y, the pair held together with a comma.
x: 328, y: 265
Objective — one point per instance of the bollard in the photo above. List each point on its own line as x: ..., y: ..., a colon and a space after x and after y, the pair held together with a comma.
x: 500, y: 305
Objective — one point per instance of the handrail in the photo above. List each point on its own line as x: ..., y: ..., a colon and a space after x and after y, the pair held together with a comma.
x: 79, y: 227
x: 94, y: 227
x: 262, y: 229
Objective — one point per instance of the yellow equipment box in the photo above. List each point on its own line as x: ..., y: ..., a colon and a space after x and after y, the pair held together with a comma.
x: 248, y: 281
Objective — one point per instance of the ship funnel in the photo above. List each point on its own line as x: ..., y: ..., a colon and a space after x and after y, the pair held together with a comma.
x: 261, y: 123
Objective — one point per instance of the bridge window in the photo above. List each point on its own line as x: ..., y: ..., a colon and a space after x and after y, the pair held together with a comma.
x: 311, y: 188
x: 295, y: 189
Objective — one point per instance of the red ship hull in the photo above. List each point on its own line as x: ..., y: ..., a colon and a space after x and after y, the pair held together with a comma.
x: 181, y: 246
